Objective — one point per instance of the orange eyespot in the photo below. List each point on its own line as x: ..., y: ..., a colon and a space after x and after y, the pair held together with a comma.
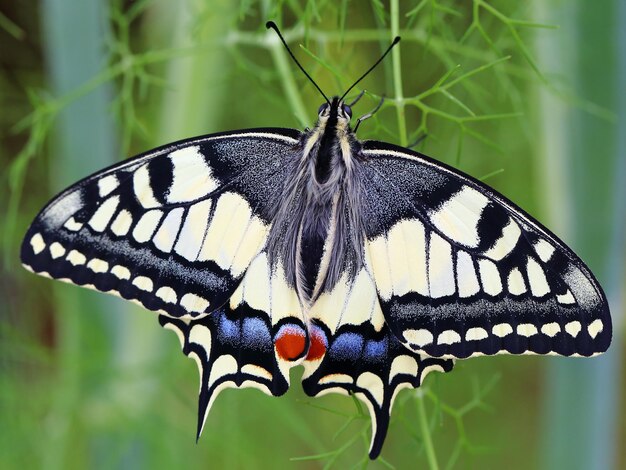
x: 290, y: 342
x: 318, y: 345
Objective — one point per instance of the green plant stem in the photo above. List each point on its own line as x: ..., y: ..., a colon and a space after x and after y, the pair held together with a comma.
x: 397, y: 74
x: 425, y: 430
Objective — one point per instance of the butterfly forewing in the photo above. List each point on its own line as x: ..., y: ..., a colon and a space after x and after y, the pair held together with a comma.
x: 461, y: 271
x: 174, y: 229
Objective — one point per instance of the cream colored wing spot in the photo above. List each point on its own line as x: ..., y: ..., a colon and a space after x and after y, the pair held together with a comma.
x: 251, y: 242
x: 72, y: 225
x: 107, y: 185
x: 595, y: 328
x: 403, y: 365
x: 194, y: 230
x: 167, y: 294
x: 100, y: 219
x: 98, y: 266
x: 257, y: 371
x: 284, y: 301
x: 37, y: 243
x: 420, y: 337
x: 76, y: 258
x: 566, y: 299
x: 440, y: 267
x: 448, y: 337
x: 371, y: 382
x: 223, y: 365
x: 350, y: 302
x: 415, y: 255
x: 336, y: 378
x: 122, y: 223
x: 201, y: 335
x: 397, y: 249
x: 515, y: 282
x: 331, y: 306
x: 501, y: 330
x: 544, y: 250
x: 256, y: 284
x: 537, y: 278
x: 227, y: 208
x: 459, y: 216
x: 476, y: 334
x: 467, y: 277
x: 57, y: 250
x: 551, y: 329
x: 145, y: 228
x: 144, y: 283
x: 490, y: 277
x: 526, y: 329
x: 192, y: 177
x: 573, y: 328
x: 361, y: 303
x: 380, y: 266
x: 143, y: 188
x: 194, y: 303
x: 166, y: 234
x: 238, y: 225
x: 121, y: 272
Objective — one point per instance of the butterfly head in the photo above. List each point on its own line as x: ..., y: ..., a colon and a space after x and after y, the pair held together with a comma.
x: 336, y: 110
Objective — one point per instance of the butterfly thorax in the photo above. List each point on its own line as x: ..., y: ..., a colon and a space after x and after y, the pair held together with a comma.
x: 317, y: 227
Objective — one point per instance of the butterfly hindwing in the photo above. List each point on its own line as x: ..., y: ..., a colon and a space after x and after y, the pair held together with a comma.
x: 174, y: 229
x: 461, y: 271
x: 353, y: 352
x: 251, y: 341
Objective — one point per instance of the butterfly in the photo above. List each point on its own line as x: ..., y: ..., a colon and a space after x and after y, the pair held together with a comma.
x: 370, y: 264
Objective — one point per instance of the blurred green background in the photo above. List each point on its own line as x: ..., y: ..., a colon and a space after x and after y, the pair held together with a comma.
x: 529, y: 96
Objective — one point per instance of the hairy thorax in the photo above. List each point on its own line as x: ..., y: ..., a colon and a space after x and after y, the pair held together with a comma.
x: 317, y: 231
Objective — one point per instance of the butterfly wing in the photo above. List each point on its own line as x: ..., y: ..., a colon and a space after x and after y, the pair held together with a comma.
x: 174, y: 228
x: 251, y: 341
x: 462, y: 271
x: 352, y: 351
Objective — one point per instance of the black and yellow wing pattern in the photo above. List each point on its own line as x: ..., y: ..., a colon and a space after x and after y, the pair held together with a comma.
x: 450, y: 269
x: 461, y: 271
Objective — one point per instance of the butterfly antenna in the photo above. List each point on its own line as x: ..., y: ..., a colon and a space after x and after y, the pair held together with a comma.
x: 396, y: 40
x: 272, y: 25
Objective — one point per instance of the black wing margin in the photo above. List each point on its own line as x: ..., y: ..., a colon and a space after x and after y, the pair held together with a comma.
x: 461, y: 271
x: 174, y: 228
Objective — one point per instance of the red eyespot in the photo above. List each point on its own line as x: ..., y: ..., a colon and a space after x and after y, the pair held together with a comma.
x: 290, y: 342
x: 318, y: 346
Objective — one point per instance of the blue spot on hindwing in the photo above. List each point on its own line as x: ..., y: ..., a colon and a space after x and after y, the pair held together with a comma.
x: 228, y: 330
x: 255, y: 334
x: 376, y: 351
x: 347, y: 346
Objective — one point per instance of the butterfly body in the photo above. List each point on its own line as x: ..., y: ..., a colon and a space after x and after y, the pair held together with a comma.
x: 317, y: 228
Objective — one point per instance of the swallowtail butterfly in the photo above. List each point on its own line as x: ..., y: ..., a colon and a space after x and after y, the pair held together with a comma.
x: 370, y: 264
